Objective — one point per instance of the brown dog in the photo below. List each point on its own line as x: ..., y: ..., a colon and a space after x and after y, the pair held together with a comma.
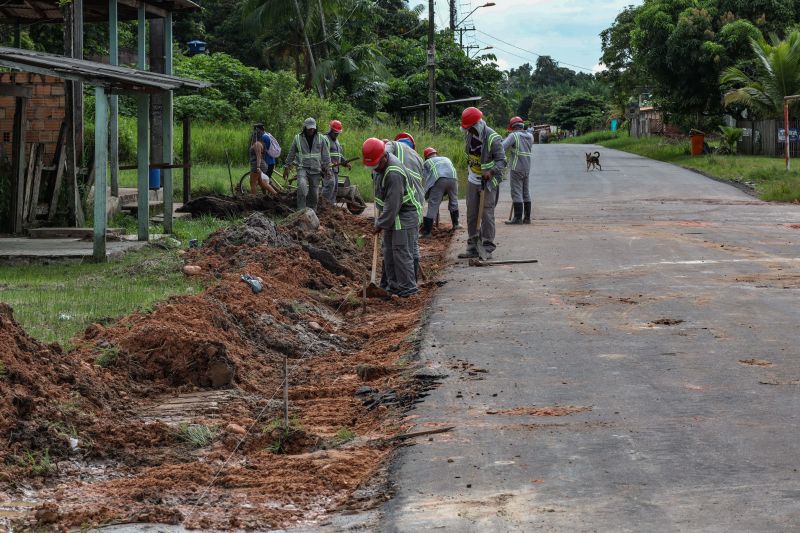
x: 593, y: 161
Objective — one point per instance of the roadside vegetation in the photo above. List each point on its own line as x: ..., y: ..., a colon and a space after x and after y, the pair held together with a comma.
x: 767, y: 175
x: 55, y: 302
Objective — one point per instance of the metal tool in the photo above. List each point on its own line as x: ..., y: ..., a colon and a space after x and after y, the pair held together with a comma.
x: 482, y: 263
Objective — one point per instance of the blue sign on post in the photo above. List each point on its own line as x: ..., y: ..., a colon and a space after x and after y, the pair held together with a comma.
x: 614, y: 124
x: 793, y: 135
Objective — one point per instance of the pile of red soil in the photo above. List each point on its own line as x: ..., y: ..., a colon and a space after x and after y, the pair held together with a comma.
x: 229, y: 338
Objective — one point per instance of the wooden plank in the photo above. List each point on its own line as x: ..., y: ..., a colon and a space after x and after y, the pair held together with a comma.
x: 143, y: 149
x: 187, y: 160
x: 60, y: 167
x: 167, y: 128
x: 37, y: 181
x: 26, y: 200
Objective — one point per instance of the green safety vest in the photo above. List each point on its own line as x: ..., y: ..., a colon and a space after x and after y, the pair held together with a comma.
x: 409, y: 198
x: 307, y: 155
x: 516, y: 153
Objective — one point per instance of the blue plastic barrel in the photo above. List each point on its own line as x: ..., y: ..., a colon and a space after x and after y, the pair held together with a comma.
x: 155, y: 179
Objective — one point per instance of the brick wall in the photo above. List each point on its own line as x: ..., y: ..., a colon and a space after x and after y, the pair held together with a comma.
x: 44, y: 114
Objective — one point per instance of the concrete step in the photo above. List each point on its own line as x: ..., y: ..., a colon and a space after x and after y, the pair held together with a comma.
x: 155, y: 208
x: 71, y: 233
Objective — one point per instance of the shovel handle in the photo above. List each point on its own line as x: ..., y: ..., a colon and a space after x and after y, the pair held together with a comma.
x: 374, y: 257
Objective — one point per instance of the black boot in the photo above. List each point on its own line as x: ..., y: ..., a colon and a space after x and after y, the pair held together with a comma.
x: 527, y: 218
x: 427, y: 228
x: 517, y: 214
x: 454, y: 219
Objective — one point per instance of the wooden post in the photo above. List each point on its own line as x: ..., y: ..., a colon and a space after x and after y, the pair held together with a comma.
x: 786, y: 132
x: 143, y: 165
x: 141, y: 41
x: 100, y: 165
x: 18, y: 160
x: 167, y: 128
x: 77, y: 53
x: 187, y: 160
x: 113, y: 127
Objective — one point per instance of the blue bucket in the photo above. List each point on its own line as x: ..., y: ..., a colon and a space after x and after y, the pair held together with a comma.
x: 155, y: 179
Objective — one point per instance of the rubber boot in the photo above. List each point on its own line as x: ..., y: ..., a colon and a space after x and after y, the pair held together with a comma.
x: 527, y: 218
x: 454, y: 220
x: 517, y: 214
x: 427, y: 228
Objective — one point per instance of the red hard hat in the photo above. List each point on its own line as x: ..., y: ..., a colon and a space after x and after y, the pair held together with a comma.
x: 514, y: 120
x: 470, y: 116
x: 404, y: 135
x: 372, y: 151
x: 336, y: 126
x: 429, y: 151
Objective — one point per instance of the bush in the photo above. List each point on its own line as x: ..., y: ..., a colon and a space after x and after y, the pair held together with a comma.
x: 204, y: 108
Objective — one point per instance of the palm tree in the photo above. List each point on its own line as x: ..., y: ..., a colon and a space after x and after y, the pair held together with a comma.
x: 777, y: 76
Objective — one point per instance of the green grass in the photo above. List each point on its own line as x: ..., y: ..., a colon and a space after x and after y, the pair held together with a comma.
x: 106, y: 357
x: 55, y: 302
x: 38, y: 463
x: 766, y: 174
x: 197, y: 435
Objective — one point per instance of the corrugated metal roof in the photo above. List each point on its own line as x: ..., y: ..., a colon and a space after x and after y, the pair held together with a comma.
x: 28, y: 11
x: 122, y: 79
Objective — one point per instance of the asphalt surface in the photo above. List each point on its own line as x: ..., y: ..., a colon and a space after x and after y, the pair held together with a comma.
x: 654, y: 284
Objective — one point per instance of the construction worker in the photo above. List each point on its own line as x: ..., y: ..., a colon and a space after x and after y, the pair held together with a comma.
x: 258, y: 164
x: 486, y: 160
x: 331, y: 184
x: 310, y: 154
x: 403, y: 148
x: 399, y: 213
x: 440, y: 179
x: 519, y: 145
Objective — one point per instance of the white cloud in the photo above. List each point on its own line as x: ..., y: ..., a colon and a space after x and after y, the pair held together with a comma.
x: 567, y: 30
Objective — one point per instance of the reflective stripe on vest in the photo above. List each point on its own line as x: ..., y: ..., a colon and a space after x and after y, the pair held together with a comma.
x: 410, y: 196
x: 303, y: 154
x: 401, y: 155
x: 490, y: 165
x: 516, y: 153
x: 328, y: 144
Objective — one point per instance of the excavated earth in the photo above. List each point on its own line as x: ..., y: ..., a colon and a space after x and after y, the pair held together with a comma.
x: 175, y: 416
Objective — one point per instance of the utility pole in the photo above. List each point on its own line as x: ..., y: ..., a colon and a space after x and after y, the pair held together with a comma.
x: 453, y: 15
x: 431, y: 67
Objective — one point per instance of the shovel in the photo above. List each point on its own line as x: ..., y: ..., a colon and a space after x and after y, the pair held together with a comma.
x: 372, y: 289
x: 482, y: 253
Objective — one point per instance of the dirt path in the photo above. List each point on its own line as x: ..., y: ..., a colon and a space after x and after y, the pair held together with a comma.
x: 174, y: 415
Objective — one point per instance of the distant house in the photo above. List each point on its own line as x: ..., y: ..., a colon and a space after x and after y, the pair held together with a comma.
x: 648, y: 120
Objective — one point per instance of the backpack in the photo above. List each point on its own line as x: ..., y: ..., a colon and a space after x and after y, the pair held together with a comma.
x: 274, y: 149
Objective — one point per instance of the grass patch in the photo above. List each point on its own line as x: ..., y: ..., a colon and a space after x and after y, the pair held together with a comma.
x: 81, y: 294
x: 38, y: 463
x: 197, y: 435
x: 183, y: 229
x: 767, y: 175
x: 343, y: 436
x: 106, y: 357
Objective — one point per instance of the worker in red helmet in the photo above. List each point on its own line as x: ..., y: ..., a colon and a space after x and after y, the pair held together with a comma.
x: 399, y: 215
x: 486, y: 161
x: 403, y: 148
x: 441, y: 179
x: 519, y: 146
x: 331, y: 183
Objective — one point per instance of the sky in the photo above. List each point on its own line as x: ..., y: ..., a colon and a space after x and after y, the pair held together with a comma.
x: 567, y: 30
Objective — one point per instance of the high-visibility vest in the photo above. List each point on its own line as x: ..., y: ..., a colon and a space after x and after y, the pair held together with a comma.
x: 410, y: 196
x: 307, y: 153
x: 516, y: 152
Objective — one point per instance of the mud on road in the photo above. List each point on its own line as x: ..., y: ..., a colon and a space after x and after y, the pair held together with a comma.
x: 174, y: 416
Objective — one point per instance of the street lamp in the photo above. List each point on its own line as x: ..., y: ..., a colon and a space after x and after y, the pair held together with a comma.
x: 487, y: 4
x: 480, y: 50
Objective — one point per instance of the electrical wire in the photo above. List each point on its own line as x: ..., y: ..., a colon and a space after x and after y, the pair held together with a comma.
x: 530, y: 52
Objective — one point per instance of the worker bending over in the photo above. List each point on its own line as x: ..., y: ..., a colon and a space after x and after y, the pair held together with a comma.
x: 399, y: 214
x: 519, y: 145
x: 403, y: 147
x: 486, y: 159
x: 440, y: 179
x: 310, y: 154
x: 331, y: 183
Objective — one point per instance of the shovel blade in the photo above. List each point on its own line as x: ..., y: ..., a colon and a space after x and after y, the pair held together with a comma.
x: 374, y: 291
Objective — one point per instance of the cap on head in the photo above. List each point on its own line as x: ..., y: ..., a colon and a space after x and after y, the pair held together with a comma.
x: 336, y: 126
x: 470, y: 116
x: 259, y: 125
x: 403, y: 136
x: 430, y: 151
x: 515, y: 122
x: 310, y: 124
x: 372, y: 151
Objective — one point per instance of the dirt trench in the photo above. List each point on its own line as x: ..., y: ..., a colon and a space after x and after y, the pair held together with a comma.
x: 174, y: 416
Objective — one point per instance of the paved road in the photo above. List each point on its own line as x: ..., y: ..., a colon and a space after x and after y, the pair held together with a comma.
x: 654, y: 284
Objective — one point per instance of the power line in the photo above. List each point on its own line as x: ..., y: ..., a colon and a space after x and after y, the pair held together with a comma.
x: 532, y: 52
